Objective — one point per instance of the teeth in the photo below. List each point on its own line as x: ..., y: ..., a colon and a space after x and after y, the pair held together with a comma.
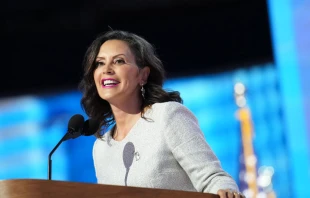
x: 108, y: 82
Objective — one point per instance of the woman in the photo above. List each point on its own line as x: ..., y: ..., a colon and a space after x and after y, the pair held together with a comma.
x: 155, y: 141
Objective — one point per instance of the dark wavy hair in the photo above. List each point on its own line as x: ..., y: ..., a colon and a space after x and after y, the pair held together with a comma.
x: 145, y: 55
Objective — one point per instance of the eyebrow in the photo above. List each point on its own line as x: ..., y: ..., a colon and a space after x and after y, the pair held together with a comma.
x: 99, y: 57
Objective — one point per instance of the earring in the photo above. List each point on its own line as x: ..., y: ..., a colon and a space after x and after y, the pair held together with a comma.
x: 142, y: 91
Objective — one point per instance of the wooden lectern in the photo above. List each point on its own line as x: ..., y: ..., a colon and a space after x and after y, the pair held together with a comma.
x: 34, y: 188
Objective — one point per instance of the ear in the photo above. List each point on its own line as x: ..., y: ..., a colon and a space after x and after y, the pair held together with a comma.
x: 144, y: 73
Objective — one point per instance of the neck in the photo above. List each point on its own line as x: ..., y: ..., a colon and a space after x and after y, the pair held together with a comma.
x: 125, y: 116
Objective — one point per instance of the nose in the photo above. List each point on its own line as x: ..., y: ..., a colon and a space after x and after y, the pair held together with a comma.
x: 108, y: 69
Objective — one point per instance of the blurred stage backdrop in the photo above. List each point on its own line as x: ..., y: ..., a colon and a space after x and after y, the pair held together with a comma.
x: 212, y: 51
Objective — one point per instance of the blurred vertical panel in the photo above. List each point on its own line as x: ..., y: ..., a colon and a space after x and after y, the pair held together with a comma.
x: 288, y: 65
x: 301, y: 20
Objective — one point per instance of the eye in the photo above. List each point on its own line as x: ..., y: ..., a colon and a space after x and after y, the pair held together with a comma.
x: 99, y: 63
x: 119, y: 61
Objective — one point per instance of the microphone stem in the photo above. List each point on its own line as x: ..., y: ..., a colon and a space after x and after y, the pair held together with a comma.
x: 50, y: 156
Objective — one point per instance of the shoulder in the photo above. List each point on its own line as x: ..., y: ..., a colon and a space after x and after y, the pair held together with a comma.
x: 168, y: 109
x: 179, y: 124
x: 171, y: 106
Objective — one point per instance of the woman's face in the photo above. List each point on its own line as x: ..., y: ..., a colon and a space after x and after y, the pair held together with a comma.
x: 117, y: 76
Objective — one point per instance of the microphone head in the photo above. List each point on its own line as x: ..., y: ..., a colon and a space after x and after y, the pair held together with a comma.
x: 76, y: 123
x: 90, y: 127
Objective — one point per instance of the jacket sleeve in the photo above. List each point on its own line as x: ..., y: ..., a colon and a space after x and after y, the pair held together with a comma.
x: 189, y: 147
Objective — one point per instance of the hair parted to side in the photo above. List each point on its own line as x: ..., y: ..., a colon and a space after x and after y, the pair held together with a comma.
x: 145, y: 55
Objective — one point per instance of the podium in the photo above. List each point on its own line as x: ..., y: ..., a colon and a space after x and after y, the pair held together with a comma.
x: 35, y: 188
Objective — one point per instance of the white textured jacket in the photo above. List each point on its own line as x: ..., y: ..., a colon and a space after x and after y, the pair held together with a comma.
x: 167, y: 151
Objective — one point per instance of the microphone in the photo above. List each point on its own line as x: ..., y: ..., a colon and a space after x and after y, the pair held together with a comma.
x: 90, y: 127
x: 75, y: 127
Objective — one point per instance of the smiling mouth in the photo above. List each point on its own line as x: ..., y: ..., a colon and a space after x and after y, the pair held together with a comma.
x: 109, y: 83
